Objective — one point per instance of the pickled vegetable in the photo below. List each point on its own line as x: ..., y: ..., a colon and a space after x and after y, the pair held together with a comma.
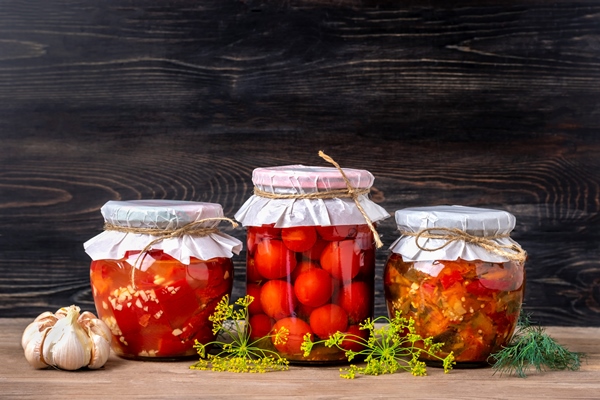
x: 470, y: 306
x: 312, y: 280
x: 168, y: 307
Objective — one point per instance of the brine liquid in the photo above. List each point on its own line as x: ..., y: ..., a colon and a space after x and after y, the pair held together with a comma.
x: 470, y: 306
x: 165, y: 308
x: 312, y: 279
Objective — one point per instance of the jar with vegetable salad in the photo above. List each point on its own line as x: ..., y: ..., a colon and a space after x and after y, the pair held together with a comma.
x: 159, y: 269
x: 311, y: 244
x: 457, y: 273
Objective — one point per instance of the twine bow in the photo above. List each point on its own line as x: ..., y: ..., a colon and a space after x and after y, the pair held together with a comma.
x: 192, y: 229
x: 350, y: 192
x: 513, y: 252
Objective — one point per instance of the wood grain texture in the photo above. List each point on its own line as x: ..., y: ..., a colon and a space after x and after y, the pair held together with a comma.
x: 174, y: 380
x: 490, y: 105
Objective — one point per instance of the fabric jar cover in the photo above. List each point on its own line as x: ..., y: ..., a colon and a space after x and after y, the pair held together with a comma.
x: 480, y: 222
x: 300, y: 179
x: 164, y: 215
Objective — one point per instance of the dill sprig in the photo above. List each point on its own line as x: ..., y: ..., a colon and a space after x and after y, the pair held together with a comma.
x: 390, y: 348
x: 531, y: 347
x: 236, y: 352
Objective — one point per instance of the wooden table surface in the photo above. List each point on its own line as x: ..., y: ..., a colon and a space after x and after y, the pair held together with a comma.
x: 127, y: 379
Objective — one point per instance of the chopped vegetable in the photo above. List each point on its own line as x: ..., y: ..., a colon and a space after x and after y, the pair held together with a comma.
x: 471, y: 306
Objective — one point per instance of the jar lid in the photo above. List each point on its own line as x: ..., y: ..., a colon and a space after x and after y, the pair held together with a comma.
x: 300, y: 179
x: 303, y: 179
x: 159, y: 214
x: 166, y: 215
x: 472, y: 220
x: 495, y: 225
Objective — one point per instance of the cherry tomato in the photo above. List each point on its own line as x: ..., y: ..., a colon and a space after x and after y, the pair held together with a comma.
x: 314, y: 253
x: 302, y: 267
x: 327, y: 320
x: 357, y: 300
x: 277, y: 299
x: 299, y: 238
x: 260, y: 326
x: 341, y: 259
x: 258, y: 233
x: 297, y: 329
x: 273, y: 260
x: 354, y: 342
x: 336, y: 233
x: 313, y: 288
x: 253, y: 290
x: 267, y: 231
x: 252, y: 274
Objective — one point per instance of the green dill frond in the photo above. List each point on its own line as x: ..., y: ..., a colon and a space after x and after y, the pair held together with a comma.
x: 238, y: 354
x: 531, y: 347
x: 386, y: 350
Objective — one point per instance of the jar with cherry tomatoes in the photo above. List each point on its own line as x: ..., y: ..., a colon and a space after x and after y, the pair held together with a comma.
x: 158, y: 271
x: 310, y: 256
x: 457, y: 273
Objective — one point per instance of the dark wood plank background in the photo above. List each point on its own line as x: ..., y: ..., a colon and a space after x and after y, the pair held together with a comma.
x: 490, y: 104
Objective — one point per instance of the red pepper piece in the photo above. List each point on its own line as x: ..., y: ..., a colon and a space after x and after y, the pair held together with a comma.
x: 450, y: 278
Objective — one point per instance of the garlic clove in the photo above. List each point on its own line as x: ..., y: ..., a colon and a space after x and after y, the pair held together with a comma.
x: 67, y: 345
x: 33, y: 349
x: 43, y: 321
x: 85, y: 316
x: 44, y: 315
x: 100, y: 351
x: 101, y: 336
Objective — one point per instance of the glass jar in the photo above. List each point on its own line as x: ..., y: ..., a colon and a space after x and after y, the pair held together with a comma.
x: 154, y: 292
x: 459, y: 275
x: 310, y: 257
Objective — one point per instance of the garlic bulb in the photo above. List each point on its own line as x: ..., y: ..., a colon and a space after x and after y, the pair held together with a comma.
x: 67, y: 340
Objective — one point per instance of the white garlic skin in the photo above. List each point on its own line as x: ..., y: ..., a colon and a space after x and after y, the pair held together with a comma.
x: 33, y: 349
x: 101, y: 336
x: 67, y: 346
x: 44, y: 320
x: 67, y: 340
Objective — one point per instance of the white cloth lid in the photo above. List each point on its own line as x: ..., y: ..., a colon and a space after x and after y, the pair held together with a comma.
x: 161, y: 214
x: 481, y: 222
x: 300, y: 179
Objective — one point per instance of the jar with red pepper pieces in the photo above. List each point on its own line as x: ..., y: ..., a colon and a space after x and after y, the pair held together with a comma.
x: 457, y: 273
x: 310, y: 256
x: 158, y: 271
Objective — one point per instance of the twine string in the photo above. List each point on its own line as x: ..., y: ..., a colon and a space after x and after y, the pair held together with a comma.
x: 349, y: 192
x: 513, y: 251
x: 192, y: 229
